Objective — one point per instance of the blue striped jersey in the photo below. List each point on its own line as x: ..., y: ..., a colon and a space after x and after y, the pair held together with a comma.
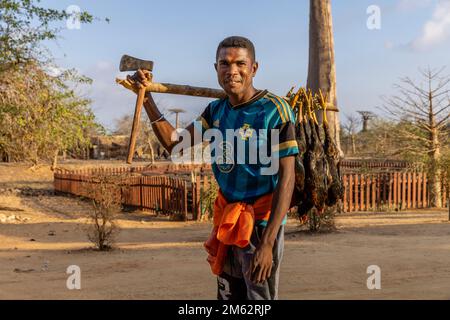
x: 244, y: 174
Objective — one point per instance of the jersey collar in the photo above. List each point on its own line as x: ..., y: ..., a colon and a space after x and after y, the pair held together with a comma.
x: 258, y: 95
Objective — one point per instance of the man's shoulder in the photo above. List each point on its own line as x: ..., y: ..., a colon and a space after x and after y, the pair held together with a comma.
x: 277, y: 106
x: 216, y: 103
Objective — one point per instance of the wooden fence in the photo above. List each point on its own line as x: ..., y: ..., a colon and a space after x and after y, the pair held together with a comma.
x: 387, y: 190
x: 349, y: 164
x: 160, y: 194
x: 173, y: 190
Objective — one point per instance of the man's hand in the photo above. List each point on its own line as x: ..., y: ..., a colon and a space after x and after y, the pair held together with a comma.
x: 141, y: 78
x: 262, y: 263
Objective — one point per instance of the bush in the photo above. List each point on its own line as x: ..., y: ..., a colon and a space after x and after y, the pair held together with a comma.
x: 105, y: 192
x: 323, y: 222
x: 207, y: 198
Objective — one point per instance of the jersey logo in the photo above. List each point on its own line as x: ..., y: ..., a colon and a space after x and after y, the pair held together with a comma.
x: 245, y: 131
x: 216, y: 123
x: 225, y: 163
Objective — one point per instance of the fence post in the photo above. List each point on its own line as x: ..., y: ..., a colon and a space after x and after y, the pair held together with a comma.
x: 414, y: 189
x: 362, y: 192
x: 160, y: 194
x: 141, y: 193
x: 408, y: 190
x: 185, y: 196
x: 197, y: 197
x: 356, y: 193
x: 350, y: 194
x: 424, y: 191
x: 345, y: 182
x: 374, y: 187
x: 368, y: 187
x: 163, y: 191
x: 168, y: 194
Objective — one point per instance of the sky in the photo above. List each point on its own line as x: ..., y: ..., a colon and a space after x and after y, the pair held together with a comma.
x: 181, y: 38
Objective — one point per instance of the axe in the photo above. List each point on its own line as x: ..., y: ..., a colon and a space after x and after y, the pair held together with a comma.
x: 128, y: 63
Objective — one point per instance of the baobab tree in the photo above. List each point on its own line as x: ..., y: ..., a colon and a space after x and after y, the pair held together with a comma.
x: 350, y: 129
x: 423, y: 111
x: 365, y: 117
x: 321, y: 68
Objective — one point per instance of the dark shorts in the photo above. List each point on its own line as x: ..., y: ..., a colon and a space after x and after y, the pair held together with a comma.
x: 233, y: 283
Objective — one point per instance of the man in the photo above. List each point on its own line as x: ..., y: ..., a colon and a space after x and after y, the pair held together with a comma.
x: 257, y: 203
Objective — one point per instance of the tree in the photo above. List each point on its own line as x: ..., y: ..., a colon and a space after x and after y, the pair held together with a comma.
x: 350, y: 128
x: 365, y: 117
x: 40, y: 114
x: 423, y: 112
x: 321, y: 68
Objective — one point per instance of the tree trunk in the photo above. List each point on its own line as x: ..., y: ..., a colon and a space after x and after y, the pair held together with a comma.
x: 55, y: 160
x: 435, y: 173
x: 434, y: 155
x: 321, y: 69
x: 353, y: 144
x: 152, y: 153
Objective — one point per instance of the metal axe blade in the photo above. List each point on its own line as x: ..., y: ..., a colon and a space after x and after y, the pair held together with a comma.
x: 129, y: 63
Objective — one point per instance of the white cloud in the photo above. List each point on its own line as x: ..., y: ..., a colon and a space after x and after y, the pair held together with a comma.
x: 436, y: 30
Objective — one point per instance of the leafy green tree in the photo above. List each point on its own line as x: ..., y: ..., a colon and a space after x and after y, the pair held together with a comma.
x: 40, y: 114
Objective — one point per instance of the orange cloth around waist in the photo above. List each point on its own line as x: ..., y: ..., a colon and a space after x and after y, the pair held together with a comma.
x: 233, y: 225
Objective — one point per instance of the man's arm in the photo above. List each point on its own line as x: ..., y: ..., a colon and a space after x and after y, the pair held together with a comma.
x: 162, y: 128
x: 261, y: 266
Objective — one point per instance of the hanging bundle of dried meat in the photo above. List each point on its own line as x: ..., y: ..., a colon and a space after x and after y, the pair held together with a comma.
x: 335, y: 186
x: 318, y: 181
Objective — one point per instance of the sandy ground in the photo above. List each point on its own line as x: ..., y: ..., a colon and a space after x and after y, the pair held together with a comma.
x: 159, y: 259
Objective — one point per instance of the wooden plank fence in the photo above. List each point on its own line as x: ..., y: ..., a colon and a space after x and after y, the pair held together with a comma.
x: 159, y: 194
x: 387, y: 191
x: 373, y: 164
x: 347, y: 165
x: 155, y: 190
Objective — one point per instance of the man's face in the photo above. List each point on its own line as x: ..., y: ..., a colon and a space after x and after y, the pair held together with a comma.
x: 235, y: 70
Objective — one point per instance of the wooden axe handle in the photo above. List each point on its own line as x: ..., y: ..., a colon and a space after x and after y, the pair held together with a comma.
x: 177, y: 89
x: 185, y: 90
x: 136, y: 121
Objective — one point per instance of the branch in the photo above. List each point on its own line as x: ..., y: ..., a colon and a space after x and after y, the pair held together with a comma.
x: 443, y: 108
x: 408, y: 81
x: 442, y: 123
x: 412, y: 135
x: 424, y: 126
x: 396, y: 101
x: 441, y: 93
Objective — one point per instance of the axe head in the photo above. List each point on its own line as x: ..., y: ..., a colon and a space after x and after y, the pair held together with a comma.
x: 128, y: 63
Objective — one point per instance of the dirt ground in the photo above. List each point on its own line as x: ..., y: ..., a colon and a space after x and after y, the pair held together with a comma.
x: 160, y: 259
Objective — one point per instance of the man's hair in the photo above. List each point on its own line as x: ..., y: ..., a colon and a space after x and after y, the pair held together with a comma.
x: 237, y: 42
